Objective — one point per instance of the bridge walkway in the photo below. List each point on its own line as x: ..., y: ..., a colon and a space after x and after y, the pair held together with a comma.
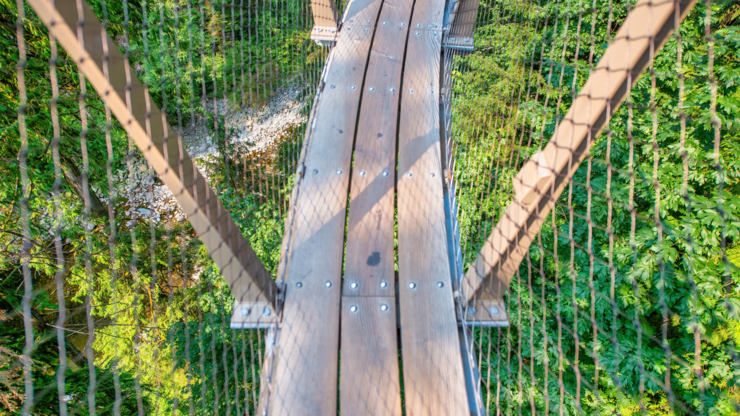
x: 373, y: 142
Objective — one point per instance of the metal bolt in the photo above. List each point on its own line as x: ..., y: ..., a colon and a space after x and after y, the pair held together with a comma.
x: 393, y: 89
x: 434, y: 34
x: 353, y: 285
x: 494, y: 310
x: 408, y: 174
x: 332, y: 87
x: 368, y: 22
x: 384, y: 307
x: 245, y: 311
x: 315, y: 171
x: 403, y: 24
x: 383, y: 284
x: 267, y: 311
x: 385, y: 173
x: 362, y: 173
x: 327, y: 284
x: 353, y: 308
x: 299, y: 285
x: 385, y: 22
x: 412, y: 285
x: 411, y: 91
x: 417, y: 33
x: 353, y: 87
x: 372, y: 88
x: 418, y: 25
x: 339, y: 172
x: 440, y: 284
x: 472, y: 310
x: 431, y: 174
x: 452, y: 39
x: 466, y: 40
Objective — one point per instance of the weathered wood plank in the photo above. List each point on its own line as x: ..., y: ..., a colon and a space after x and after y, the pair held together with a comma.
x: 434, y: 382
x: 369, y: 368
x: 305, y: 370
x: 369, y: 265
x: 370, y: 381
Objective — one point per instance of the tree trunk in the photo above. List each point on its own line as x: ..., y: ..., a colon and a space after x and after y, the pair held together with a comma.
x: 74, y: 177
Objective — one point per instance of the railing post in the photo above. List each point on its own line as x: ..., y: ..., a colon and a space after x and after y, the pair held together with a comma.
x: 325, y: 22
x: 543, y: 177
x: 109, y: 73
x: 459, y: 23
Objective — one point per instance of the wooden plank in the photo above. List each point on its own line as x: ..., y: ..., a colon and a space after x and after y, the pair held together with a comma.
x: 304, y: 379
x: 369, y: 368
x: 146, y: 125
x: 434, y: 381
x: 370, y: 262
x: 370, y: 382
x: 543, y: 177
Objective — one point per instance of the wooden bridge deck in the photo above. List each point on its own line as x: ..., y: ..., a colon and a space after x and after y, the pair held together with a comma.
x: 378, y: 111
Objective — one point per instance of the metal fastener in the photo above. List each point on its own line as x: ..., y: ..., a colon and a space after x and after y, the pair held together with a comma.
x: 353, y: 87
x: 372, y: 88
x: 353, y: 308
x: 418, y: 25
x: 385, y: 173
x: 431, y: 174
x: 412, y: 285
x: 245, y: 311
x: 332, y: 87
x: 408, y: 174
x: 392, y: 89
x: 494, y: 310
x: 452, y: 39
x: 339, y: 172
x: 472, y: 310
x: 315, y: 171
x: 384, y: 307
x: 411, y: 91
x: 353, y: 285
x: 362, y: 173
x: 327, y: 284
x: 266, y: 311
x: 383, y: 284
x: 440, y: 284
x: 417, y: 33
x: 299, y: 285
x: 385, y: 22
x: 403, y: 24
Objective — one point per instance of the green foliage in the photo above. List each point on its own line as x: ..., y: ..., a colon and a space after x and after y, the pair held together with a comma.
x: 525, y: 76
x: 150, y: 281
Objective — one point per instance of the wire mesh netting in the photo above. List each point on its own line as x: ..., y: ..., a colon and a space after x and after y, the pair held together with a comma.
x: 110, y: 304
x: 134, y: 165
x: 627, y: 299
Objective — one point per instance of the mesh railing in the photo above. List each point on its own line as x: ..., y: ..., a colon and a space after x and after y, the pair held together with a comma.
x: 626, y: 300
x: 109, y: 302
x: 166, y: 181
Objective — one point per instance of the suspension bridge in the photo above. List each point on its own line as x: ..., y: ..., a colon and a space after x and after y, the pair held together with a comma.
x: 373, y: 309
